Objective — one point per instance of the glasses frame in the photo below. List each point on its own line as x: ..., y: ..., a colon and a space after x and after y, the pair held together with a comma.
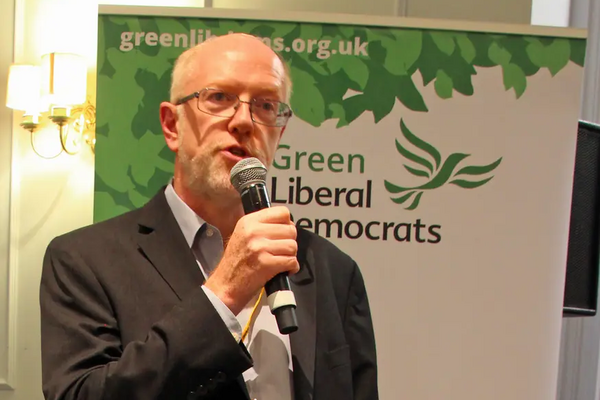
x: 288, y: 114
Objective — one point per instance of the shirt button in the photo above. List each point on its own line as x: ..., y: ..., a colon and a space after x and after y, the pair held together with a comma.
x: 209, y: 232
x: 221, y: 377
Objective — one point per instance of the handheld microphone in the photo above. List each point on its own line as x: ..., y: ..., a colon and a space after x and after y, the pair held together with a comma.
x: 248, y: 177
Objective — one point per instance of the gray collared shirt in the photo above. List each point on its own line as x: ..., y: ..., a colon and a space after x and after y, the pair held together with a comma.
x: 207, y: 244
x: 269, y: 348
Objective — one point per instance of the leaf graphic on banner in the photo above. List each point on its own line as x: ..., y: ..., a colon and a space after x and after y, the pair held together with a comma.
x: 413, y: 157
x: 149, y: 26
x: 578, y: 48
x: 282, y: 29
x: 482, y: 43
x: 145, y: 160
x: 155, y: 91
x: 443, y: 85
x: 517, y: 47
x: 409, y: 95
x: 441, y: 174
x: 118, y: 197
x: 354, y: 106
x: 558, y: 55
x: 444, y: 41
x: 106, y: 207
x: 402, y: 51
x: 307, y: 103
x: 470, y: 184
x: 390, y: 187
x: 498, y: 54
x: 467, y: 49
x: 338, y: 112
x: 416, y: 172
x: 445, y: 171
x: 461, y: 74
x: 479, y: 169
x: 536, y: 52
x: 402, y: 199
x: 415, y: 202
x: 354, y: 67
x: 514, y: 77
x: 346, y: 31
x: 421, y: 144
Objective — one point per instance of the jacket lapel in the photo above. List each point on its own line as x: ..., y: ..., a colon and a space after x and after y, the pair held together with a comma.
x: 164, y: 245
x: 303, y: 341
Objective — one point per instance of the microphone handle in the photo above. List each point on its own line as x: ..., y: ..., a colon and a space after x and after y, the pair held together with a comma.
x: 279, y: 295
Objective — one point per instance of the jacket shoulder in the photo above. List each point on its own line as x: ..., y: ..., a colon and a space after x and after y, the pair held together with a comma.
x: 122, y: 225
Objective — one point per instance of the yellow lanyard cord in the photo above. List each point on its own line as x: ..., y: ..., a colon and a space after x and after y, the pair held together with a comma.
x: 252, y: 315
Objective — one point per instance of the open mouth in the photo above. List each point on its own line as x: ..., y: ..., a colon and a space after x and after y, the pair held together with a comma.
x: 238, y: 151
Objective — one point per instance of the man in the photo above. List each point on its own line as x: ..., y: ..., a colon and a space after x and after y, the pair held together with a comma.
x: 151, y: 304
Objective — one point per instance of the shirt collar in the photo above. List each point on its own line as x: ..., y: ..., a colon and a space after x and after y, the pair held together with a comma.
x: 187, y: 219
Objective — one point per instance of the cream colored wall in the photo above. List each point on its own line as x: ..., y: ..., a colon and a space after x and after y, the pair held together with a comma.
x: 507, y: 11
x: 50, y: 197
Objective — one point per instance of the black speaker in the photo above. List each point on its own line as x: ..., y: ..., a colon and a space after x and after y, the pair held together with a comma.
x: 581, y: 285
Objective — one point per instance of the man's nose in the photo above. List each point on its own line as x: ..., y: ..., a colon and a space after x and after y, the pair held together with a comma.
x: 241, y: 122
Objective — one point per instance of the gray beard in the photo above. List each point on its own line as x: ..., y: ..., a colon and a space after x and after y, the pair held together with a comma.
x: 203, y: 183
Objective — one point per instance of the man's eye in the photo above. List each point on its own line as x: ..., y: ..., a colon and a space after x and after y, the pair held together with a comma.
x: 218, y: 97
x: 267, y: 105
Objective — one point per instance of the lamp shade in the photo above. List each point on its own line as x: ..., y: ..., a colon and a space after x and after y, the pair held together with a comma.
x: 64, y: 79
x: 23, y: 89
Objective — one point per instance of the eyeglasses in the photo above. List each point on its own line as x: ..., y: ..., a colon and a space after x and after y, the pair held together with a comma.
x: 222, y: 104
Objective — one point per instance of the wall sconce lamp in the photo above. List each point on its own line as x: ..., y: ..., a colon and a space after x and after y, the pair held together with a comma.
x: 57, y: 87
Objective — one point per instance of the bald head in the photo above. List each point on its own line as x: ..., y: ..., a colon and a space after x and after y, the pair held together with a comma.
x: 189, y: 65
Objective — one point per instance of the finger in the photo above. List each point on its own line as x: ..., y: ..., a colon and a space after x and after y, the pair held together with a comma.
x: 275, y: 231
x: 279, y: 264
x: 286, y: 247
x: 277, y: 214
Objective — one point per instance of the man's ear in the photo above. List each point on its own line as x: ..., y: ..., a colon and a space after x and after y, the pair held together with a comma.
x: 168, y: 122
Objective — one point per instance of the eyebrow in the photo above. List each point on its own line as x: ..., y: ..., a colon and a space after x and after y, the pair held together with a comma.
x: 261, y: 90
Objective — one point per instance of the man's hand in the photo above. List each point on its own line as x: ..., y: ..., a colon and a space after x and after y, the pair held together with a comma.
x: 263, y: 244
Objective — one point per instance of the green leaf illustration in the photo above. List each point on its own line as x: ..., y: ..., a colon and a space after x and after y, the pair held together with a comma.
x: 467, y: 49
x: 354, y: 67
x: 469, y: 184
x: 514, y: 77
x: 416, y: 172
x: 443, y: 85
x: 413, y: 157
x: 400, y: 200
x: 390, y: 187
x: 578, y: 47
x: 421, y: 144
x: 354, y: 106
x: 536, y: 52
x: 445, y: 172
x: 444, y: 41
x: 557, y: 55
x: 409, y: 95
x: 440, y: 179
x: 402, y: 51
x: 479, y: 169
x: 415, y: 202
x: 307, y: 103
x: 498, y: 54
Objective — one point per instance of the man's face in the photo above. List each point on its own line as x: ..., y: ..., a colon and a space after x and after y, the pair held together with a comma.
x: 209, y: 145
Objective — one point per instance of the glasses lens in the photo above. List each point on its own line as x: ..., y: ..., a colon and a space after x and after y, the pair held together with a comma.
x: 270, y: 112
x: 223, y: 104
x: 217, y: 102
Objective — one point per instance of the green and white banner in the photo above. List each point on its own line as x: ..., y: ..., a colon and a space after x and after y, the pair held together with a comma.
x: 440, y: 160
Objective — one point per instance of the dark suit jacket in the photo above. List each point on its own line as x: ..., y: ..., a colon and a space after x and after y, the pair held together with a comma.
x: 123, y: 317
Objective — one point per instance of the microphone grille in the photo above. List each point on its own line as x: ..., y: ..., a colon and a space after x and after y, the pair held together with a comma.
x: 247, y: 171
